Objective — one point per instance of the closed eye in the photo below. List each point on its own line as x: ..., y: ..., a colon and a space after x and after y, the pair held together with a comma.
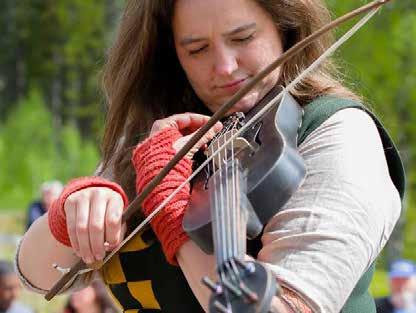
x: 196, y: 51
x: 244, y: 39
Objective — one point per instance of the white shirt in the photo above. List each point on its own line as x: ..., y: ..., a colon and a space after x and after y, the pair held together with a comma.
x: 337, y: 222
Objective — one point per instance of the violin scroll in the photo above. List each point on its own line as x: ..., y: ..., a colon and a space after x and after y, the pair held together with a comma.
x: 244, y: 287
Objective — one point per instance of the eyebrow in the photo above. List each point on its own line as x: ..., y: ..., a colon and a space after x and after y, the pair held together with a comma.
x: 189, y: 40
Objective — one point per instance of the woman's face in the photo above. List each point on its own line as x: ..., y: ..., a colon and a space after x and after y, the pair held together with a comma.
x: 221, y: 45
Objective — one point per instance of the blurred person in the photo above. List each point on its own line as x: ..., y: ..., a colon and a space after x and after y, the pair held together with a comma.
x: 49, y: 191
x: 10, y: 290
x: 402, y: 299
x: 92, y: 299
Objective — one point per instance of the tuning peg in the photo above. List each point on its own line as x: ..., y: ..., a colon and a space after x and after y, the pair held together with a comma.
x: 221, y: 308
x: 215, y: 287
x: 248, y: 266
x: 235, y: 290
x: 251, y: 295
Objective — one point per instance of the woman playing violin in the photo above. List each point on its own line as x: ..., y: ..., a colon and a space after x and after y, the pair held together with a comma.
x: 173, y: 63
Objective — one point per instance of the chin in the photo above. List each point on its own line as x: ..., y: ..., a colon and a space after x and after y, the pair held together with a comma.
x: 246, y: 104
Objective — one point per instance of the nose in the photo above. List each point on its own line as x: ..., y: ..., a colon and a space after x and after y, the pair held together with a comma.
x: 225, y: 61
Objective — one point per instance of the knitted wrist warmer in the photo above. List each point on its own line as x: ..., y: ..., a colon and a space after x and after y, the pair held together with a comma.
x: 148, y: 159
x: 56, y: 214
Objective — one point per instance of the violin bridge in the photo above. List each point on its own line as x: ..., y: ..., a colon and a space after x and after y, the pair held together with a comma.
x: 231, y: 149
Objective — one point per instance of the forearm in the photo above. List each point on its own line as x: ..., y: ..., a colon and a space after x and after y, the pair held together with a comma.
x: 195, y: 264
x: 39, y: 250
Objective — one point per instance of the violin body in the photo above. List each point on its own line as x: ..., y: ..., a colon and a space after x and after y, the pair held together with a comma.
x: 273, y: 167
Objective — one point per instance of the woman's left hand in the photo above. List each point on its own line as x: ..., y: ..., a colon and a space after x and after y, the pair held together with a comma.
x: 187, y: 124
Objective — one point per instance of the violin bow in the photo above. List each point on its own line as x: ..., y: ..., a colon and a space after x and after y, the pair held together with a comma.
x: 134, y: 206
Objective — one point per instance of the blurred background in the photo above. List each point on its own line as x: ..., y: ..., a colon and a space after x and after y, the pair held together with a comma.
x: 52, y: 110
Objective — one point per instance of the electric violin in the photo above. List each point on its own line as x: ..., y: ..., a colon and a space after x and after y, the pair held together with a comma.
x: 245, y: 184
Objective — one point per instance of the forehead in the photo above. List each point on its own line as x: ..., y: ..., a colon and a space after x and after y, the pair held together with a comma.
x: 193, y: 17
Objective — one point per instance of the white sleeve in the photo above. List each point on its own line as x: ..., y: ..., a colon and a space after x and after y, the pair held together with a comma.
x: 337, y: 222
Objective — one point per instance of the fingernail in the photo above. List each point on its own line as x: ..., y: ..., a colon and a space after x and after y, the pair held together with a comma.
x: 88, y: 260
x: 107, y: 246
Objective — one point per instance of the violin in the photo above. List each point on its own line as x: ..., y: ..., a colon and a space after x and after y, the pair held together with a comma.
x: 246, y: 183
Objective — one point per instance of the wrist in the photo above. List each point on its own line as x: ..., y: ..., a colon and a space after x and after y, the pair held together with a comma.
x: 148, y: 159
x: 56, y: 214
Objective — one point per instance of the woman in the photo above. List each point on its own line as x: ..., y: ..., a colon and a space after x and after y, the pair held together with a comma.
x: 172, y: 57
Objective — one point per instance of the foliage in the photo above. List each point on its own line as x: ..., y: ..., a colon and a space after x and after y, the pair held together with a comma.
x: 32, y: 152
x: 57, y: 47
x: 380, y: 62
x: 380, y: 284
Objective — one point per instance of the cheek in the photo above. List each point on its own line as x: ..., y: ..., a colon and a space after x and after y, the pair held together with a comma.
x: 195, y: 71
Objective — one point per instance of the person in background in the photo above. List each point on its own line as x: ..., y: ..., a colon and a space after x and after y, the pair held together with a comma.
x: 402, y: 299
x: 92, y: 299
x: 49, y: 191
x: 9, y: 290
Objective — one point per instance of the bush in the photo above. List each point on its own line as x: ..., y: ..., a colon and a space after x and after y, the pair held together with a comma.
x: 32, y: 151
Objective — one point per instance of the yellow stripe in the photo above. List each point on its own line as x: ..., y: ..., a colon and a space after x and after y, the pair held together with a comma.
x: 143, y: 292
x: 131, y: 311
x: 135, y: 244
x: 112, y: 271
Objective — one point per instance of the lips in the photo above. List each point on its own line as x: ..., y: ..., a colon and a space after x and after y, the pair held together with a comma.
x: 232, y: 84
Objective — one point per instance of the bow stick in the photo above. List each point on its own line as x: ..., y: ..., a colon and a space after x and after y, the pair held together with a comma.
x: 135, y: 205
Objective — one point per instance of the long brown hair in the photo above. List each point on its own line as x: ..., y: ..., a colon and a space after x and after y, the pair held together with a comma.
x: 144, y: 81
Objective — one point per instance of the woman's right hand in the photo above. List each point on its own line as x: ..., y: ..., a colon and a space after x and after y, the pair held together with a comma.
x: 93, y: 218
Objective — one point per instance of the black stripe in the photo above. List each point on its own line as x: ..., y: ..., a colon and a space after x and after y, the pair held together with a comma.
x: 168, y: 282
x: 127, y: 301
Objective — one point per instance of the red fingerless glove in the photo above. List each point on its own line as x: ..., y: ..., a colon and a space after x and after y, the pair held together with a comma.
x: 56, y: 214
x: 148, y: 159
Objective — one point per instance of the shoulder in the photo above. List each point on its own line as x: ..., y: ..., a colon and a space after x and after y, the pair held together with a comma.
x: 320, y: 109
x: 348, y: 134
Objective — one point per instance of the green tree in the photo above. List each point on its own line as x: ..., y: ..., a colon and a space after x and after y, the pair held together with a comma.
x: 380, y: 62
x: 31, y: 154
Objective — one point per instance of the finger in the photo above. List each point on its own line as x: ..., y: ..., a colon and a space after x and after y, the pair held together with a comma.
x: 217, y: 127
x: 83, y: 207
x: 190, y: 121
x: 113, y: 216
x: 96, y: 222
x: 161, y: 124
x: 208, y: 136
x: 70, y: 207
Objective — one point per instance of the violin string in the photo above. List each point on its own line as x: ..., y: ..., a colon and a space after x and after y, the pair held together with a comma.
x: 219, y: 212
x: 237, y: 202
x: 234, y: 204
x: 254, y: 119
x: 227, y: 219
x: 215, y: 210
x: 221, y: 207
